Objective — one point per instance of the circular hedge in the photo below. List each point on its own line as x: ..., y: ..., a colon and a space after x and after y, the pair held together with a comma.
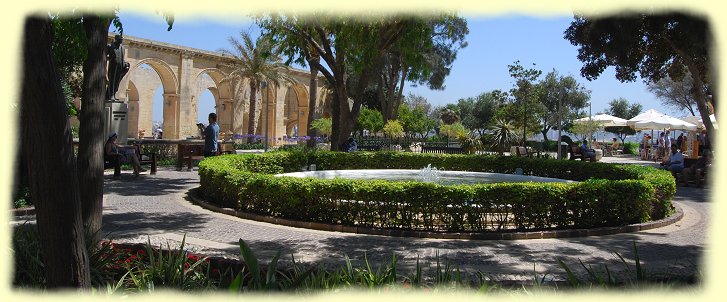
x: 607, y: 194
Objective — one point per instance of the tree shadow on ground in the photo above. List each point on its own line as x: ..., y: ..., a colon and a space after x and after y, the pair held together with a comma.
x: 146, y: 185
x: 134, y: 224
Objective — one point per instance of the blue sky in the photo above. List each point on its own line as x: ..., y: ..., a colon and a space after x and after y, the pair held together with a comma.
x: 494, y: 43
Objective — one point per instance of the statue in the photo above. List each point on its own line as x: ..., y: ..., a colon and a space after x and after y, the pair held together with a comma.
x: 117, y: 67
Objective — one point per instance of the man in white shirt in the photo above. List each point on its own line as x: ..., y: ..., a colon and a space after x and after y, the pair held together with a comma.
x: 675, y: 162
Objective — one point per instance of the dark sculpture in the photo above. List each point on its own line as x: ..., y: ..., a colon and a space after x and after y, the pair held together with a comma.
x: 117, y: 67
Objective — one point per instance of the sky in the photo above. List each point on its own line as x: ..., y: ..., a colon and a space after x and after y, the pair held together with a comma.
x: 493, y: 43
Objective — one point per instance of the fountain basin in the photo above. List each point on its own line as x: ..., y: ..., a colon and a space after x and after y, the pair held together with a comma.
x: 444, y: 177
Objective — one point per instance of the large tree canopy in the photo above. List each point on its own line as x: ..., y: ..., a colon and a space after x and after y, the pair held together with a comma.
x: 561, y: 97
x: 348, y: 45
x: 675, y: 94
x: 652, y: 45
x: 620, y: 107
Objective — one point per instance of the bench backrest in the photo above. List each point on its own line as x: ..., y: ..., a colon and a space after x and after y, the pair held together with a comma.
x: 442, y: 150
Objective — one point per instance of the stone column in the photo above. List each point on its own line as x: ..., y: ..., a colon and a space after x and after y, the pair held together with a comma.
x: 171, y: 116
x: 133, y: 118
x: 225, y: 114
x: 186, y: 123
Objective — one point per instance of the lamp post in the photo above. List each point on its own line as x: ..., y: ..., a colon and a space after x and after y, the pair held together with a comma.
x: 267, y: 114
x: 560, y: 99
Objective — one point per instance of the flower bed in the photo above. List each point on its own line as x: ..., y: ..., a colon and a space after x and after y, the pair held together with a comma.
x: 607, y: 194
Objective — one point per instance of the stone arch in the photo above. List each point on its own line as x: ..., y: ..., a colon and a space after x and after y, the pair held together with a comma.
x: 222, y: 91
x: 170, y: 83
x: 170, y: 95
x: 133, y: 118
x: 300, y: 117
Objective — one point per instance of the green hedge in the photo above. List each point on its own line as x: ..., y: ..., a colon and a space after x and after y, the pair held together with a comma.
x: 608, y: 194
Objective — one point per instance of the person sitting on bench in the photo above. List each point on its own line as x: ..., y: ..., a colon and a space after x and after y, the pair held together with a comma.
x: 587, y: 152
x: 675, y: 161
x: 118, y: 155
x: 699, y: 167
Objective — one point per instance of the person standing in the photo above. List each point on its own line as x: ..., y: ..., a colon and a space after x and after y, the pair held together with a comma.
x: 661, y: 148
x: 117, y: 66
x: 210, y: 135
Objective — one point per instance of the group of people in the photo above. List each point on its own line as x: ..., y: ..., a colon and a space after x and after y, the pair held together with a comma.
x: 118, y: 155
x: 675, y: 163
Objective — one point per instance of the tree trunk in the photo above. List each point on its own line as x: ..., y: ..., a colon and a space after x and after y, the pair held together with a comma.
x: 341, y: 124
x: 46, y: 136
x: 90, y: 131
x: 699, y: 95
x: 401, y: 89
x: 312, y: 100
x: 545, y: 135
x: 251, y: 113
x: 383, y: 100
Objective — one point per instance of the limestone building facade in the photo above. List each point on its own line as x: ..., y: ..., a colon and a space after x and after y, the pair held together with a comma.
x: 184, y: 73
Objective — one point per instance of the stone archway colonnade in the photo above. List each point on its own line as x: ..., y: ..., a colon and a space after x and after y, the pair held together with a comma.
x: 184, y: 73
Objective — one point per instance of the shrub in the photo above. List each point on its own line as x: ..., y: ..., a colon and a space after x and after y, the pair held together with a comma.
x: 246, y: 182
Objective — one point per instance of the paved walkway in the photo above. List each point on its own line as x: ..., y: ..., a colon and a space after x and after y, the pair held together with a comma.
x: 157, y: 207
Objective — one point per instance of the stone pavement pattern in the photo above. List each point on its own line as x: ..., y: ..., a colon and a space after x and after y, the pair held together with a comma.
x: 157, y: 208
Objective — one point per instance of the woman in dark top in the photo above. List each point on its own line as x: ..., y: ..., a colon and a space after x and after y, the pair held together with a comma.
x: 119, y: 155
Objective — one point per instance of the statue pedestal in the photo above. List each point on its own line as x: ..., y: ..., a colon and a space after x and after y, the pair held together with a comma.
x: 116, y: 115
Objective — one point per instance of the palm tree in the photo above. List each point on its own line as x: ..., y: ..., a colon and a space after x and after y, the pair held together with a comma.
x: 259, y: 62
x: 503, y: 134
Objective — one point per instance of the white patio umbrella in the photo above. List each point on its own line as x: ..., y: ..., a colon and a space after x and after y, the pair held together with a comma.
x: 663, y: 122
x: 604, y: 120
x: 697, y: 120
x: 646, y: 115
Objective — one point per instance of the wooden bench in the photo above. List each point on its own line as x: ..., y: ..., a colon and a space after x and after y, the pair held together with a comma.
x: 443, y: 150
x: 575, y: 153
x: 188, y: 154
x: 522, y: 152
x: 702, y: 175
x: 148, y: 158
x: 369, y: 148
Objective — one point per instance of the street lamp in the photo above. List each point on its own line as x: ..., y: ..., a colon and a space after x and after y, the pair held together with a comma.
x: 560, y: 99
x: 267, y: 114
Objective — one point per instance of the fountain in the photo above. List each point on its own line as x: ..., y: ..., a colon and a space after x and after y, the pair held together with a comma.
x: 427, y: 174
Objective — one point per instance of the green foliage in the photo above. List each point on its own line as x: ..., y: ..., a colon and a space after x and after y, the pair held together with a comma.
x: 415, y: 121
x: 585, y: 129
x: 257, y: 62
x: 653, y: 44
x: 477, y: 113
x: 526, y: 93
x: 369, y: 119
x: 169, y: 269
x: 245, y: 182
x: 676, y: 94
x: 322, y: 125
x: 454, y: 131
x: 393, y: 128
x: 449, y: 114
x: 631, y: 148
x: 560, y: 90
x: 29, y: 270
x: 420, y: 47
x: 21, y: 199
x: 620, y: 107
x: 502, y: 135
